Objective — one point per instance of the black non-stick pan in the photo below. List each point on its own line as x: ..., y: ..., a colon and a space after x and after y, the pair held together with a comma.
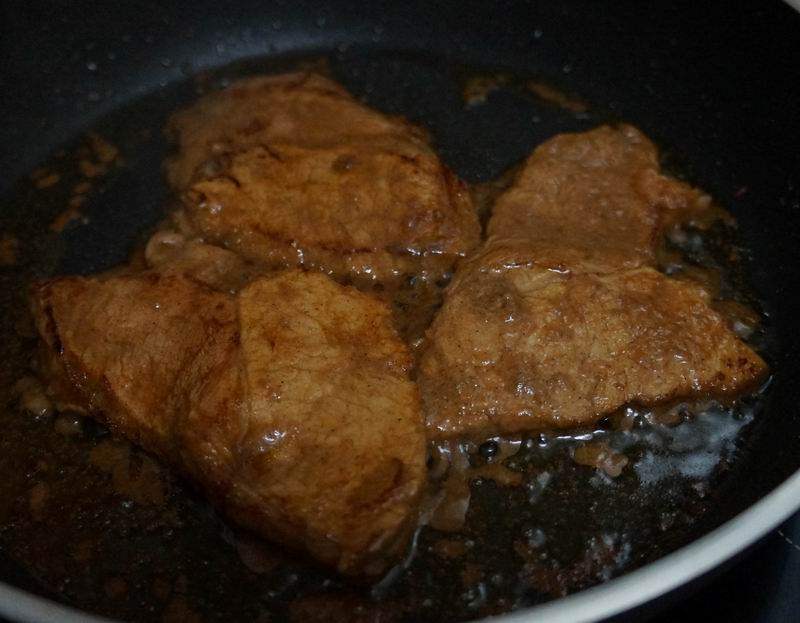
x: 715, y: 84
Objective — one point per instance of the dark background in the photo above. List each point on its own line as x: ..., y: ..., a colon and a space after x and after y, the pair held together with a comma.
x: 763, y: 587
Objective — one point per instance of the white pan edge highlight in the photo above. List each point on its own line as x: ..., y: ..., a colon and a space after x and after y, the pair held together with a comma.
x: 605, y: 600
x: 673, y: 570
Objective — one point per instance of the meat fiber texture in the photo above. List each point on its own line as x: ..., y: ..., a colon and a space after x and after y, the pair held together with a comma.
x: 561, y: 317
x: 289, y: 402
x: 291, y: 170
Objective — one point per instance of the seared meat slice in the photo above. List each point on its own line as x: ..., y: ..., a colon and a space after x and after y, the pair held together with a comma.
x: 594, y: 201
x: 560, y: 318
x: 520, y: 347
x: 355, y: 211
x: 290, y: 403
x: 292, y: 171
x: 301, y: 109
x: 117, y: 346
x: 327, y: 382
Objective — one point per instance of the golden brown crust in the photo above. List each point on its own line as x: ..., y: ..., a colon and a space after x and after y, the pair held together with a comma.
x: 560, y: 317
x: 292, y: 171
x: 348, y: 210
x: 530, y: 348
x: 315, y: 351
x: 289, y: 403
x: 304, y: 109
x: 594, y: 201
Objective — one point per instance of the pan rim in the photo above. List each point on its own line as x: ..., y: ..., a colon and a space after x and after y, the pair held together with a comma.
x: 611, y: 598
x: 674, y: 570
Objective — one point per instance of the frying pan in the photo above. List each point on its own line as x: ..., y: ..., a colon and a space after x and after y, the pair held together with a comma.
x: 717, y: 86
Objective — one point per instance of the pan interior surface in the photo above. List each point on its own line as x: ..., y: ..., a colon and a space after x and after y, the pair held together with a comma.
x: 138, y: 543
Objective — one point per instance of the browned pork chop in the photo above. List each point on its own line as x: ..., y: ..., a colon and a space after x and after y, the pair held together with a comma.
x: 289, y: 403
x: 291, y: 170
x: 523, y: 348
x: 560, y: 318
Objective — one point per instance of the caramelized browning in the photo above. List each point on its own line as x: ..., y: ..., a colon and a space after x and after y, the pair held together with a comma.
x: 593, y: 201
x: 302, y: 109
x: 170, y: 252
x: 291, y: 170
x: 327, y: 386
x: 289, y: 403
x: 560, y: 318
x: 528, y: 348
x: 359, y: 211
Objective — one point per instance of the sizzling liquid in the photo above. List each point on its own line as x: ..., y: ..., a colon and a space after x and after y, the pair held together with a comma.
x: 97, y: 523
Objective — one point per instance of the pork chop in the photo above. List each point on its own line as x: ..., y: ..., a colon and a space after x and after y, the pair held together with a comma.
x: 292, y: 171
x: 289, y: 403
x: 518, y: 347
